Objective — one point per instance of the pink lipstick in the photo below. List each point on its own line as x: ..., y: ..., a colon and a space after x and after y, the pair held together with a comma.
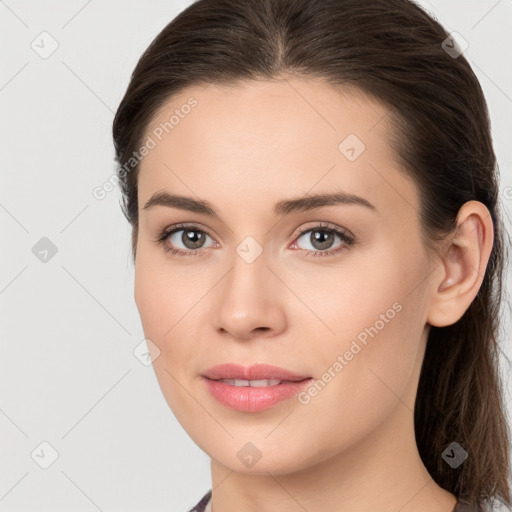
x: 254, y: 388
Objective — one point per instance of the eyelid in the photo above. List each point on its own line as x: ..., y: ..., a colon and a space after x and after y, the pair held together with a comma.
x: 324, y: 225
x: 172, y: 228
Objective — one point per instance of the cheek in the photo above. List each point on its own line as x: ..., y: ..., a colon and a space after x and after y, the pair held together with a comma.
x: 366, y: 369
x: 163, y: 293
x: 150, y: 302
x: 344, y: 299
x: 170, y: 300
x: 159, y: 296
x: 372, y: 316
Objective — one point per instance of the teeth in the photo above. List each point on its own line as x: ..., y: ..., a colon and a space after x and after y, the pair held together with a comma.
x: 253, y: 383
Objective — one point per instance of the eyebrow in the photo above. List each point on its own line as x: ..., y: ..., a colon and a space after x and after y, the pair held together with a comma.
x: 285, y: 207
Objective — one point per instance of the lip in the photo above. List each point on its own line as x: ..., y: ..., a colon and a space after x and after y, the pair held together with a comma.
x: 253, y: 399
x: 254, y: 372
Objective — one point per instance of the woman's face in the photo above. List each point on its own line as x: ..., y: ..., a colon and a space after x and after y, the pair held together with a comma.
x: 246, y: 287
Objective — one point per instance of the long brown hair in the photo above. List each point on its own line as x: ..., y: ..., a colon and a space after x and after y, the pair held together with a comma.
x: 395, y: 52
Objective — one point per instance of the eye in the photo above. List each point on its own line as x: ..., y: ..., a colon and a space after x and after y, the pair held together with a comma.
x: 322, y: 237
x: 191, y: 237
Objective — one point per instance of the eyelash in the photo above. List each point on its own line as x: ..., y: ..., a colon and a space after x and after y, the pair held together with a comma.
x: 347, y: 239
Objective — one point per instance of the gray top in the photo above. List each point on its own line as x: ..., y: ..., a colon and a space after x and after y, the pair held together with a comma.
x: 205, y: 505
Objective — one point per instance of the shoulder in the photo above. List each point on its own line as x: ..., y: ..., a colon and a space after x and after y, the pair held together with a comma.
x: 202, y: 503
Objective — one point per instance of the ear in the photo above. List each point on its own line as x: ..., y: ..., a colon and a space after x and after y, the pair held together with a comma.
x: 463, y: 261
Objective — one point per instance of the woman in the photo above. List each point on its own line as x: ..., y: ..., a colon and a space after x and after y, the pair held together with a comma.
x: 318, y: 253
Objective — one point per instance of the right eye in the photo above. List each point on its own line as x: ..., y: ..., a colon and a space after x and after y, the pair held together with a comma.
x: 190, y: 236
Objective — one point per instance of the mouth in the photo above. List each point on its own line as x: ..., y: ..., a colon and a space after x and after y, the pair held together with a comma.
x: 254, y: 395
x: 258, y: 383
x: 258, y: 375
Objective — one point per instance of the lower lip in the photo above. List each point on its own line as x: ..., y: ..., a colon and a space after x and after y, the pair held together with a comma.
x: 249, y: 399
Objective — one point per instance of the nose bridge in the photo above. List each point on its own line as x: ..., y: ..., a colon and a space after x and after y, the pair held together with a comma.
x: 247, y: 298
x: 248, y: 272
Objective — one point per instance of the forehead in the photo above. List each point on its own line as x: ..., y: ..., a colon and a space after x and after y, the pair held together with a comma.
x: 270, y: 139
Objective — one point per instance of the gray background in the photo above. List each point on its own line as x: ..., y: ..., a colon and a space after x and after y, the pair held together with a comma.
x: 69, y: 376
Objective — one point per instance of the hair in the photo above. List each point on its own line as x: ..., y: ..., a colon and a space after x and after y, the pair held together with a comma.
x: 394, y: 52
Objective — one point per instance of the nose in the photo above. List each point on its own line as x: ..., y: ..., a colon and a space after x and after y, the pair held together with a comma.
x: 250, y: 301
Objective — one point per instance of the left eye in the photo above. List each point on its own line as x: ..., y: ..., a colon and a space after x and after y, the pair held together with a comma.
x: 322, y: 238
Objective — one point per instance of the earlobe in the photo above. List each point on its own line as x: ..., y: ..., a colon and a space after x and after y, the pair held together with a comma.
x: 463, y: 263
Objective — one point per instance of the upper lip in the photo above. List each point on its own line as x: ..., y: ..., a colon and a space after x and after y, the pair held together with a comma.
x: 254, y: 372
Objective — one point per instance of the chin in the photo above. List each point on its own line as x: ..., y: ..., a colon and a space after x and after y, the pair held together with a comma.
x: 270, y: 460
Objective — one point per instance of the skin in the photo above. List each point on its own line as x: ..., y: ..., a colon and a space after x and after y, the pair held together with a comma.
x: 244, y: 148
